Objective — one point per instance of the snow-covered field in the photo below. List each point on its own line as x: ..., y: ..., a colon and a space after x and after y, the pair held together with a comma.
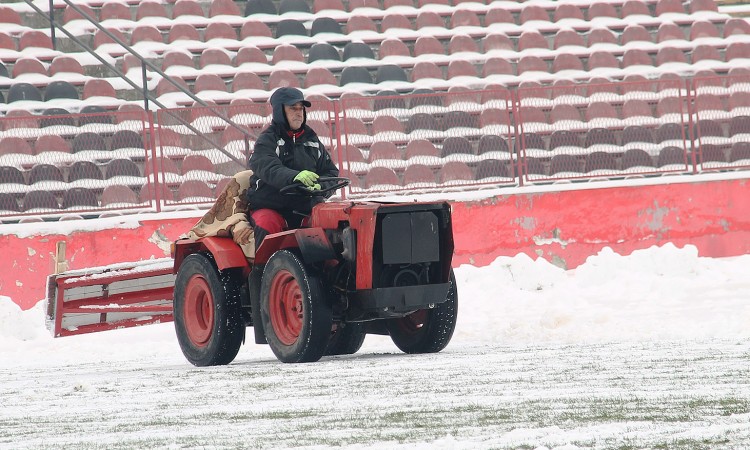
x: 649, y: 350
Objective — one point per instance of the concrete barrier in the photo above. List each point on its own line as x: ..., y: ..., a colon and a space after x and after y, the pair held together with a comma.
x: 562, y: 223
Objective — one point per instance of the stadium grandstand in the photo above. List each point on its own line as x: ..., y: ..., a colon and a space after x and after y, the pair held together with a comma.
x: 129, y: 106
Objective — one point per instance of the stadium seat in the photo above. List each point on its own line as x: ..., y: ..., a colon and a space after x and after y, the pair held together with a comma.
x: 392, y: 47
x: 323, y: 51
x: 460, y: 43
x: 671, y: 156
x: 40, y: 201
x: 428, y: 45
x: 636, y: 157
x: 223, y: 8
x: 260, y: 7
x: 215, y: 56
x: 492, y: 143
x: 351, y: 154
x: 393, y: 21
x: 51, y: 143
x: 567, y: 11
x: 357, y: 50
x: 636, y: 57
x: 456, y: 145
x: 88, y: 141
x: 426, y: 69
x: 637, y: 134
x: 634, y: 8
x: 317, y: 76
x: 461, y: 68
x: 209, y: 82
x: 464, y: 18
x: 669, y: 7
x: 531, y: 63
x: 45, y: 172
x: 250, y: 54
x: 57, y: 117
x: 533, y: 12
x: 383, y: 150
x: 15, y: 145
x: 490, y: 169
x: 31, y: 38
x: 667, y: 55
x: 385, y: 99
x: 325, y: 5
x: 381, y: 177
x: 145, y: 33
x: 454, y: 171
x: 636, y: 108
x: 566, y: 61
x: 79, y: 198
x: 421, y: 121
x: 390, y: 72
x: 84, y: 170
x: 11, y: 175
x: 708, y: 102
x: 64, y: 64
x: 386, y: 124
x: 8, y: 203
x: 601, y: 9
x: 600, y: 161
x: 600, y: 136
x: 299, y: 6
x: 563, y: 163
x: 117, y: 194
x: 736, y: 50
x: 670, y: 132
x: 286, y: 52
x: 459, y: 119
x: 60, y: 89
x: 195, y: 190
x: 534, y: 166
x: 497, y: 66
x: 355, y: 74
x: 532, y: 39
x: 429, y: 19
x: 9, y: 16
x: 497, y: 41
x: 290, y: 27
x: 149, y: 8
x: 126, y: 139
x: 121, y: 167
x: 353, y: 125
x: 739, y: 125
x: 740, y: 151
x: 196, y: 162
x: 568, y: 37
x: 255, y: 28
x: 708, y: 127
x: 97, y: 87
x: 703, y: 29
x: 736, y: 25
x: 419, y: 174
x: 187, y: 8
x: 356, y: 22
x: 668, y: 31
x: 23, y: 92
x: 420, y: 147
x: 562, y: 112
x: 219, y: 30
x: 712, y: 153
x: 601, y: 36
x: 282, y: 78
x: 705, y: 52
x: 564, y: 138
x: 498, y: 15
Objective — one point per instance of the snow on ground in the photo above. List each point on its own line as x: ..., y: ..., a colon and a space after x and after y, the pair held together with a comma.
x: 640, y: 351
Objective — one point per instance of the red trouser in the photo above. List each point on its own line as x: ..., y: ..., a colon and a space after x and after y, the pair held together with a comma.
x: 270, y: 221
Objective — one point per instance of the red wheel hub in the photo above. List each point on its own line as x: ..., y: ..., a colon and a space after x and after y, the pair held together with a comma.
x: 198, y: 311
x: 285, y: 307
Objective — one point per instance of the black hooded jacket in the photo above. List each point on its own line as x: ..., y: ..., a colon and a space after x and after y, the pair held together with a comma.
x: 280, y: 154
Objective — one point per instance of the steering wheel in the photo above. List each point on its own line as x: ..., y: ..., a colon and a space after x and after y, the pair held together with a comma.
x: 298, y: 188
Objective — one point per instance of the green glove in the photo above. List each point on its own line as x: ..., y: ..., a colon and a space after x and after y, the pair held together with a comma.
x: 314, y: 187
x: 307, y: 178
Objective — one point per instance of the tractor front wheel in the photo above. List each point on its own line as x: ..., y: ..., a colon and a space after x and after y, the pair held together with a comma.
x: 207, y: 313
x: 427, y: 330
x: 295, y: 312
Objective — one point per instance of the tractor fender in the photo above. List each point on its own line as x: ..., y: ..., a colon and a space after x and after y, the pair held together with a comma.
x: 224, y: 250
x: 312, y: 243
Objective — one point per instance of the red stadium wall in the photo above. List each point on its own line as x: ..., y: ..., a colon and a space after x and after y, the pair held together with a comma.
x: 564, y: 227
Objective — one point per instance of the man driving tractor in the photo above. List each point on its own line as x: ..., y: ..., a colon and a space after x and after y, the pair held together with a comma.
x: 288, y: 151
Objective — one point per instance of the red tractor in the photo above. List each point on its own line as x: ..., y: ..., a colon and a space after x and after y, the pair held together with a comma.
x: 359, y: 267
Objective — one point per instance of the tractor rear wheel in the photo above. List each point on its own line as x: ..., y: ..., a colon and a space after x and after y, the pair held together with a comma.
x: 207, y: 312
x: 427, y: 330
x: 346, y: 339
x: 295, y: 312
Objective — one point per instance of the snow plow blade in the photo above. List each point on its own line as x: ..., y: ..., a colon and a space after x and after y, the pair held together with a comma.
x: 110, y: 297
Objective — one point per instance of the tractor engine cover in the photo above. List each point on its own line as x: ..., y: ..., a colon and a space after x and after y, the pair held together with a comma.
x: 410, y: 238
